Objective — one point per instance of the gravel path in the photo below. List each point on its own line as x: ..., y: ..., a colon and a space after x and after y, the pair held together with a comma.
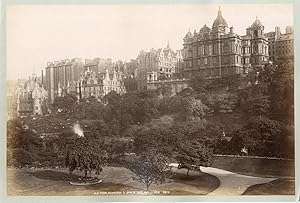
x: 232, y: 183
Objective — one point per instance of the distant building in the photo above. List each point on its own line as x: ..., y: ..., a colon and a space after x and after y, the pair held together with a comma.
x: 94, y: 84
x: 281, y: 46
x: 98, y: 65
x: 31, y: 98
x: 218, y: 51
x: 130, y: 67
x: 160, y: 61
x: 62, y: 74
x: 99, y: 85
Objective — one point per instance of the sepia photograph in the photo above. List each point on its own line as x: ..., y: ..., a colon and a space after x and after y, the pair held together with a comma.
x: 150, y: 99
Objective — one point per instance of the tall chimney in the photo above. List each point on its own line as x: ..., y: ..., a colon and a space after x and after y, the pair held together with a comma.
x: 277, y: 32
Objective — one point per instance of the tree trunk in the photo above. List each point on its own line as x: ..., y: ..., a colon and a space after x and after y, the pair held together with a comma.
x: 187, y: 173
x: 85, y: 174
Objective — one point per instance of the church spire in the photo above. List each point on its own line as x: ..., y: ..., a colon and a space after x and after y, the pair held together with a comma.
x: 168, y: 45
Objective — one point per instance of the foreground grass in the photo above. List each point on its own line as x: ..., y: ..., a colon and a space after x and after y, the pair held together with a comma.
x: 116, y: 180
x: 257, y: 167
x: 276, y: 187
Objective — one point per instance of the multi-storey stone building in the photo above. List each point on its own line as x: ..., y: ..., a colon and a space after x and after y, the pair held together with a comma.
x: 99, y: 84
x: 281, y: 46
x: 98, y: 65
x: 62, y: 74
x: 156, y: 64
x: 31, y: 98
x: 219, y: 51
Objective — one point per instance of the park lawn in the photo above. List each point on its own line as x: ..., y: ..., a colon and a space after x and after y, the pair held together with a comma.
x: 276, y: 187
x: 268, y: 168
x: 37, y: 182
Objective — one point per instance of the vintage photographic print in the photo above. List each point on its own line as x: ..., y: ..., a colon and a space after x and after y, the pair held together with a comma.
x: 150, y: 99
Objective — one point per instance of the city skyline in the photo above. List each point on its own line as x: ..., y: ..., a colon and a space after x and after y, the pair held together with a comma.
x: 38, y: 34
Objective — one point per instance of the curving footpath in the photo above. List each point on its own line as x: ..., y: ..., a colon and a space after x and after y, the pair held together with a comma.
x: 233, y: 183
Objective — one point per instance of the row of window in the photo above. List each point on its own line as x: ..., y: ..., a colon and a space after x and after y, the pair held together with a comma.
x: 216, y: 61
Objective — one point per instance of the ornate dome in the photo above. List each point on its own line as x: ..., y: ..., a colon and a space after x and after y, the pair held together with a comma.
x: 220, y: 21
x: 189, y: 34
x: 204, y: 29
x: 256, y: 23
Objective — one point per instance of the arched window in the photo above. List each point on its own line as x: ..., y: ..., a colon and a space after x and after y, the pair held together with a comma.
x: 255, y: 33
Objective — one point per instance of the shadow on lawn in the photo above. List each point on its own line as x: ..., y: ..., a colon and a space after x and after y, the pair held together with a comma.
x: 276, y: 187
x: 110, y: 187
x: 54, y: 175
x: 62, y: 176
x: 205, y: 182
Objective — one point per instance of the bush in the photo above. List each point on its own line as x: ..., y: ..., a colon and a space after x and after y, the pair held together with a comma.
x: 22, y: 156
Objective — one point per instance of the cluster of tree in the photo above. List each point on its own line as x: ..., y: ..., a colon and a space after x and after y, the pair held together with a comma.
x: 161, y: 128
x: 262, y: 97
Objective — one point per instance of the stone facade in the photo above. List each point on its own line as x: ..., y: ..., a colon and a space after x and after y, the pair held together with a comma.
x: 281, y: 46
x: 94, y: 84
x: 62, y: 74
x: 99, y: 84
x: 218, y: 51
x: 162, y: 62
x: 31, y: 98
x: 98, y: 65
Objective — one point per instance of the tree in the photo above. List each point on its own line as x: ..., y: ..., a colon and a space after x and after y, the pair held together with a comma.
x: 199, y: 83
x: 85, y: 155
x: 191, y: 155
x: 282, y: 92
x: 164, y: 90
x: 66, y: 103
x: 112, y: 98
x: 258, y: 106
x: 192, y: 109
x: 260, y: 135
x: 157, y: 137
x: 150, y: 167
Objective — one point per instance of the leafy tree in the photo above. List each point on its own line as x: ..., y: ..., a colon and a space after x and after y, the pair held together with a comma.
x: 150, y: 167
x: 187, y: 92
x: 130, y: 84
x: 222, y: 102
x: 22, y: 156
x: 260, y: 136
x: 191, y: 155
x: 282, y: 92
x: 192, y: 109
x: 164, y: 90
x: 112, y: 98
x: 85, y: 155
x: 199, y: 83
x: 66, y: 103
x: 258, y: 106
x: 158, y: 138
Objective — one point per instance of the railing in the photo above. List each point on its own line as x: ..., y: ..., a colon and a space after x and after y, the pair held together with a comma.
x: 252, y: 157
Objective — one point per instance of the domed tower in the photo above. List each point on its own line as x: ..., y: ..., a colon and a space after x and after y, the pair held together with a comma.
x: 256, y: 30
x: 220, y: 25
x: 259, y: 44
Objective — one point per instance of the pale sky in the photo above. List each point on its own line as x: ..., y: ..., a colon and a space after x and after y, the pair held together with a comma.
x: 37, y: 34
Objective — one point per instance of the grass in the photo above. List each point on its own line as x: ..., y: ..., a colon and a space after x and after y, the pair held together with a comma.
x: 276, y: 187
x: 115, y: 179
x: 256, y: 167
